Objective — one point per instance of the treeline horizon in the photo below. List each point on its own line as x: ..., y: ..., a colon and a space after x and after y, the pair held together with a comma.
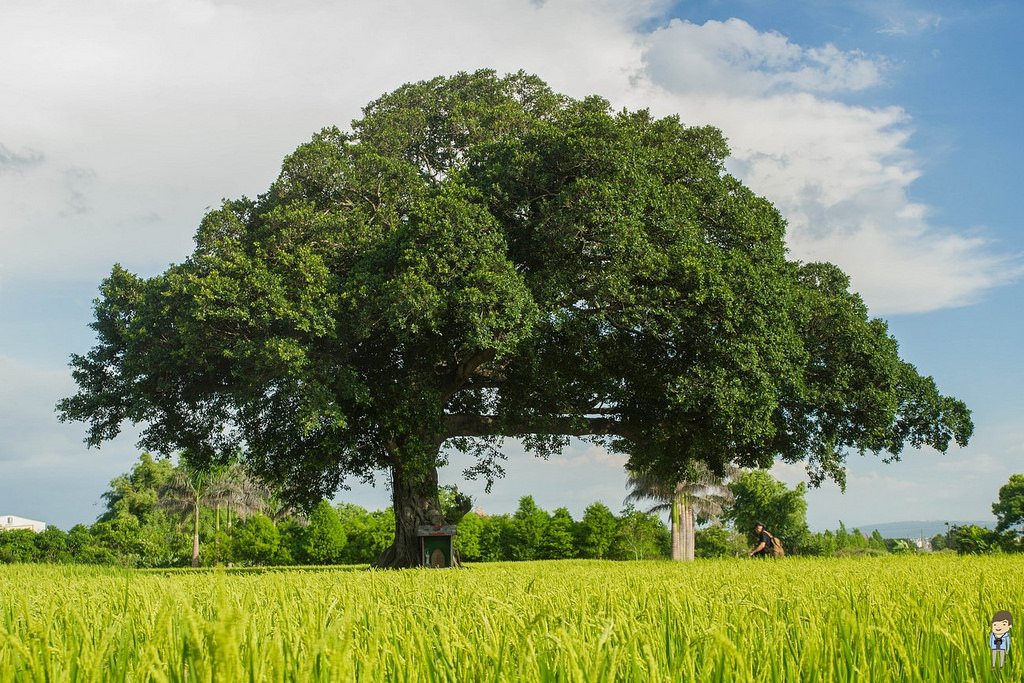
x: 147, y: 523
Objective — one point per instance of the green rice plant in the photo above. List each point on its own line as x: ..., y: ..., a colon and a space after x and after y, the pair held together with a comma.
x: 909, y: 618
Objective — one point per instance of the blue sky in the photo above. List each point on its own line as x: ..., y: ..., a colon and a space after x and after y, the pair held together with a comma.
x: 888, y: 133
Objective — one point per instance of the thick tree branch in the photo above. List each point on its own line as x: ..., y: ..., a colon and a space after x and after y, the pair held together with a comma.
x: 490, y: 425
x: 457, y: 376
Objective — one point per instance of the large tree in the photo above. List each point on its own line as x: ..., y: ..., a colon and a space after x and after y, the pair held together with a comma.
x: 479, y: 258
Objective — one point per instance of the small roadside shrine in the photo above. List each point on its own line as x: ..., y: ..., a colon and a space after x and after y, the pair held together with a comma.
x: 436, y: 544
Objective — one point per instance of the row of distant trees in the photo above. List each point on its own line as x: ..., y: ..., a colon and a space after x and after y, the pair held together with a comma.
x: 162, y: 515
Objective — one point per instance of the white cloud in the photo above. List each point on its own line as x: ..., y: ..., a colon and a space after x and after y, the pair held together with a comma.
x: 909, y: 23
x: 839, y: 173
x: 147, y: 113
x: 960, y: 464
x: 789, y: 473
x: 732, y: 57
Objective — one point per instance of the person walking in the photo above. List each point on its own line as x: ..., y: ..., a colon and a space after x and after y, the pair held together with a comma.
x: 765, y: 542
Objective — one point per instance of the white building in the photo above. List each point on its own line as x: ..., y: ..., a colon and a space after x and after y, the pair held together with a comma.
x: 10, y: 523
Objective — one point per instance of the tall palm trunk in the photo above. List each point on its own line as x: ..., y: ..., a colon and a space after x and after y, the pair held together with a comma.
x: 677, y: 540
x: 216, y: 536
x: 688, y: 531
x: 684, y: 526
x: 195, y: 537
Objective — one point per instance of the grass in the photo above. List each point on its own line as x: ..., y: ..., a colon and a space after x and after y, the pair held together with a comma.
x: 855, y: 619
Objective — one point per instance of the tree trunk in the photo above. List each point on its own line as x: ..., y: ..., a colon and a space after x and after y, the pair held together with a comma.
x: 195, y: 539
x: 216, y: 538
x: 415, y: 502
x: 677, y: 545
x: 688, y: 533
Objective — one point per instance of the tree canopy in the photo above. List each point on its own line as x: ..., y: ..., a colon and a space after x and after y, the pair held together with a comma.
x: 1009, y: 509
x: 760, y: 497
x: 479, y: 257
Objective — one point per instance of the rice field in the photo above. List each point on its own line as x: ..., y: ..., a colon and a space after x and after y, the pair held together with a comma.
x: 923, y: 618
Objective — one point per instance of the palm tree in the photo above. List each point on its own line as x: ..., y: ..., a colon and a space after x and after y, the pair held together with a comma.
x: 241, y: 492
x: 703, y: 494
x: 278, y: 510
x: 189, y: 489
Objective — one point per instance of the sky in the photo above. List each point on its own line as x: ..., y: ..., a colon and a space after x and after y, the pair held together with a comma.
x: 886, y: 131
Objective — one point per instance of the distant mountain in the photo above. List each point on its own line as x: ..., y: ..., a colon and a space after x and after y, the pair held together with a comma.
x: 919, y: 529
